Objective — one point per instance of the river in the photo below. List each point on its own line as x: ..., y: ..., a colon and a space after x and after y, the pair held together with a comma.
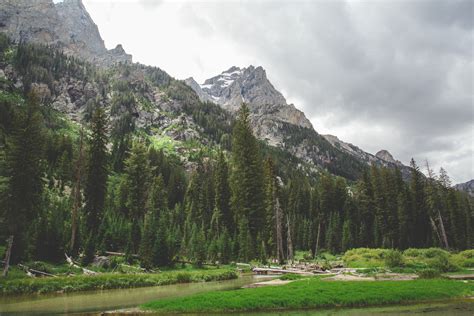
x: 106, y: 300
x: 97, y: 301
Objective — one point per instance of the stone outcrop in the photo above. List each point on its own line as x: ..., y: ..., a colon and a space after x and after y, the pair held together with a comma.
x: 65, y: 25
x: 268, y: 107
x: 467, y: 187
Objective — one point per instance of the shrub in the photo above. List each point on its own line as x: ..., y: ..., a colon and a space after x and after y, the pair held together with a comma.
x: 429, y: 273
x: 464, y: 258
x: 291, y: 276
x: 442, y: 263
x: 183, y: 277
x: 364, y: 258
x: 393, y: 259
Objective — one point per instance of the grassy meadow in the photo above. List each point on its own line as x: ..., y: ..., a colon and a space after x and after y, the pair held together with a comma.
x: 315, y: 293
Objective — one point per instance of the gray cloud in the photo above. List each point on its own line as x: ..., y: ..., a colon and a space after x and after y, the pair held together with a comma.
x: 401, y: 72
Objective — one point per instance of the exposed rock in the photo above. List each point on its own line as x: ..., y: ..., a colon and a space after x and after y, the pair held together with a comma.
x: 385, y: 155
x: 66, y: 25
x: 467, y: 187
x: 250, y: 85
x: 101, y: 261
x: 42, y: 91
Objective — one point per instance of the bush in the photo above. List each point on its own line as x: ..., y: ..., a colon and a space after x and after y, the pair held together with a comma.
x: 364, y: 258
x: 183, y: 277
x: 393, y: 259
x: 291, y: 276
x: 442, y: 263
x: 464, y: 259
x: 429, y: 273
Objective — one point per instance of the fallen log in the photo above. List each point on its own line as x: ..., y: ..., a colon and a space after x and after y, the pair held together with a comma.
x: 190, y: 262
x: 461, y: 277
x: 280, y: 271
x: 35, y: 272
x: 84, y: 270
x: 121, y: 254
x: 32, y: 272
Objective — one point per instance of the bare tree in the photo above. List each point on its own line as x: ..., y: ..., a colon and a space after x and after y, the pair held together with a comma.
x: 77, y: 198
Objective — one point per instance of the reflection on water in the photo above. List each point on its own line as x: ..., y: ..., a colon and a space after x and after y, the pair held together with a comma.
x: 108, y: 299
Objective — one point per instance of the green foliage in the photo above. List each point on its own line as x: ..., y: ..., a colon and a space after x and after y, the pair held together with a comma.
x: 464, y: 259
x: 291, y: 277
x: 314, y: 293
x: 429, y: 273
x: 364, y: 258
x: 108, y: 281
x: 393, y: 259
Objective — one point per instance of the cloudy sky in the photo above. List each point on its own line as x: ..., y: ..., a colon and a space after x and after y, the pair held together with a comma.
x: 396, y: 75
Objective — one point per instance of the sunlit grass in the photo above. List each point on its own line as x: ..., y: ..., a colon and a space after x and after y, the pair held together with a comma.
x: 314, y: 293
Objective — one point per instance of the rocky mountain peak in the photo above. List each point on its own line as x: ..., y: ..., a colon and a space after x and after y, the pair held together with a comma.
x: 269, y: 109
x: 66, y: 25
x: 386, y: 155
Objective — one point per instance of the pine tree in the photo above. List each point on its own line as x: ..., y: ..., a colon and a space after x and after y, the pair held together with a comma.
x: 222, y: 193
x: 137, y: 175
x: 96, y: 183
x: 244, y: 240
x: 420, y: 232
x: 247, y: 176
x: 147, y: 245
x: 24, y: 166
x: 162, y: 251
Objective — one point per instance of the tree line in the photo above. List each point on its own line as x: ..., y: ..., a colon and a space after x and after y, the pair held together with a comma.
x: 64, y: 195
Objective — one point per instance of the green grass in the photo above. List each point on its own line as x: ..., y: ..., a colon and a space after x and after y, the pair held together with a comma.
x: 110, y: 281
x: 314, y: 293
x: 412, y: 260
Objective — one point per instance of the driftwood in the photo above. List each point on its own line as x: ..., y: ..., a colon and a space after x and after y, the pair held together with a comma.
x: 280, y: 271
x: 190, y: 262
x: 34, y: 272
x: 121, y: 254
x: 75, y: 265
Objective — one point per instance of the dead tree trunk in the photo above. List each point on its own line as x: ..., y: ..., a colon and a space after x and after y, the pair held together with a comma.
x: 77, y: 196
x: 443, y: 231
x: 289, y: 241
x: 316, y: 249
x: 279, y: 238
x: 435, y: 228
x: 7, y: 256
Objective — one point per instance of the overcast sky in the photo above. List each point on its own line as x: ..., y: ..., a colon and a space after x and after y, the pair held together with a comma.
x: 395, y: 75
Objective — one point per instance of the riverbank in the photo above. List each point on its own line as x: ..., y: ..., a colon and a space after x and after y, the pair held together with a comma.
x: 315, y: 293
x: 104, y: 281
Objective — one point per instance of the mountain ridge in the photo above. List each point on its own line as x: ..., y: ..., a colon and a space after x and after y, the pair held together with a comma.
x: 64, y: 25
x: 155, y: 93
x: 270, y: 111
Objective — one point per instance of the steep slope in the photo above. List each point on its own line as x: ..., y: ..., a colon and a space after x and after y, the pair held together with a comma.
x: 381, y: 158
x: 65, y: 25
x: 148, y: 99
x: 467, y: 187
x: 284, y: 126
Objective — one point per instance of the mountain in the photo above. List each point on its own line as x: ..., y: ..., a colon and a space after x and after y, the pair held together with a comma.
x: 149, y: 99
x: 65, y: 25
x: 467, y: 187
x: 282, y: 125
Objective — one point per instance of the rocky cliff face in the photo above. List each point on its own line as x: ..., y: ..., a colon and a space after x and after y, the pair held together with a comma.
x: 268, y: 107
x: 381, y: 158
x: 281, y: 124
x: 167, y: 107
x: 65, y: 25
x: 467, y: 187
